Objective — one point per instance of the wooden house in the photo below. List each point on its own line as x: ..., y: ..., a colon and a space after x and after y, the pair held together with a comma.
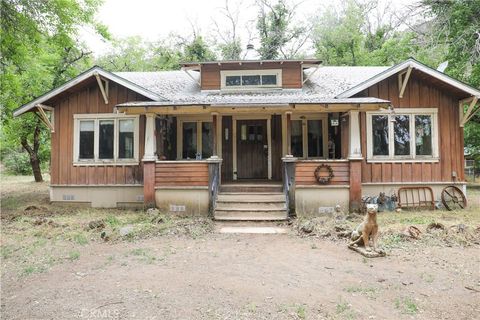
x: 254, y: 139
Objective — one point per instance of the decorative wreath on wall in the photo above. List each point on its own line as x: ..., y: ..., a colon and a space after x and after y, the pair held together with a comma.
x: 321, y: 178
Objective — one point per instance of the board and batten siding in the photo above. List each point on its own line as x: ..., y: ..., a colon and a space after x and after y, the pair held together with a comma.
x: 181, y: 174
x: 419, y: 93
x: 89, y: 100
x: 291, y: 73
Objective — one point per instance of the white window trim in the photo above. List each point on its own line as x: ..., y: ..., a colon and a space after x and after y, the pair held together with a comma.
x: 304, y: 118
x: 97, y: 118
x: 198, y: 121
x: 412, y: 112
x: 225, y: 73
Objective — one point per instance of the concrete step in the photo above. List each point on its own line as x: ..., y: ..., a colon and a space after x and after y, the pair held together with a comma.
x: 250, y: 206
x: 245, y: 215
x: 255, y: 188
x: 251, y: 198
x: 251, y: 227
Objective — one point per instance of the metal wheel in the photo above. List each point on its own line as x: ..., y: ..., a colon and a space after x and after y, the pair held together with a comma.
x: 453, y: 198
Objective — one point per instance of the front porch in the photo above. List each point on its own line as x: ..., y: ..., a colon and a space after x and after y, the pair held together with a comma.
x: 190, y: 153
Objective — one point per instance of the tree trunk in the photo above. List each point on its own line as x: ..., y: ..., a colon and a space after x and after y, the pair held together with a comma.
x: 33, y: 153
x: 37, y: 172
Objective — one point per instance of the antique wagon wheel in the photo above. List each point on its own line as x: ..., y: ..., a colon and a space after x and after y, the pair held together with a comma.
x: 453, y: 198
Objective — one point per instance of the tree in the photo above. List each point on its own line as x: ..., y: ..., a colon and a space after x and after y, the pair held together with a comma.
x: 198, y: 50
x: 275, y: 28
x: 230, y: 45
x: 39, y: 51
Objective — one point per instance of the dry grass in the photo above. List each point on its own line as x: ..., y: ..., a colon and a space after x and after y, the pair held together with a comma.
x: 37, y: 235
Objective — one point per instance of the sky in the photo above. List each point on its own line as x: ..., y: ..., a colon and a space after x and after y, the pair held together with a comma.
x: 156, y: 19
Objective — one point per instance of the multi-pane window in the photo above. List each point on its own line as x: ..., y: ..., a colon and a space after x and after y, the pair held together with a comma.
x: 251, y: 78
x: 196, y: 140
x: 105, y: 138
x: 308, y: 137
x: 407, y: 134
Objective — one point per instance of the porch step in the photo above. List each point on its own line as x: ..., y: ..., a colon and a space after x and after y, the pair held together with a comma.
x: 249, y: 187
x: 250, y: 227
x: 250, y: 206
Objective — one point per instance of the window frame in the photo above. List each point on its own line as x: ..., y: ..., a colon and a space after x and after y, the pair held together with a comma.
x: 305, y: 118
x: 225, y: 73
x: 412, y: 157
x: 198, y: 121
x: 96, y: 118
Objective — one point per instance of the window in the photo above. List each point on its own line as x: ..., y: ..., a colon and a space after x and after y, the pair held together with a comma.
x: 101, y: 138
x: 86, y: 142
x: 308, y: 136
x: 245, y: 79
x: 125, y: 139
x: 297, y: 138
x: 195, y: 139
x: 406, y: 134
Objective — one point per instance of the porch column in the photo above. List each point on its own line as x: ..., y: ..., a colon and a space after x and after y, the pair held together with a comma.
x: 356, y: 158
x: 289, y: 134
x: 215, y: 134
x: 149, y: 159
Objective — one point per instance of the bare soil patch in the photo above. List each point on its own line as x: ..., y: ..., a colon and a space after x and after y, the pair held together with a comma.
x: 55, y: 264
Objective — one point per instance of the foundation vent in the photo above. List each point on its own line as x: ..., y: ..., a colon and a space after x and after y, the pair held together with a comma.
x: 140, y: 197
x: 68, y: 197
x: 177, y: 208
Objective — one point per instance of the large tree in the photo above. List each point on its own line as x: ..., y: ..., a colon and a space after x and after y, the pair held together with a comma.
x: 40, y: 50
x: 281, y: 35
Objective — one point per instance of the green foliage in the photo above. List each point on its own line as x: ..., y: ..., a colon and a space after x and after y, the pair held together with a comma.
x: 276, y: 28
x: 231, y: 50
x: 40, y: 50
x: 198, y: 50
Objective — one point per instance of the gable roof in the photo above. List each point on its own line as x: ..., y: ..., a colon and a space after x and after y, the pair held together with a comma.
x: 411, y: 62
x: 81, y: 77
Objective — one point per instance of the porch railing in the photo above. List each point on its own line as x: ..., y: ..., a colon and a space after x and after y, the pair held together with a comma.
x: 214, y: 165
x: 289, y: 184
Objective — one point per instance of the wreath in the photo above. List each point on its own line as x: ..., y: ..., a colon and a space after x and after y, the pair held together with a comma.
x: 321, y: 178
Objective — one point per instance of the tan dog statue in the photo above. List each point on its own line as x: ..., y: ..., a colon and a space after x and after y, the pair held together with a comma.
x: 367, y: 230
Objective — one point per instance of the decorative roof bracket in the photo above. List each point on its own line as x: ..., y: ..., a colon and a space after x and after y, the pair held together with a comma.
x: 403, y: 80
x: 103, y: 89
x: 466, y: 116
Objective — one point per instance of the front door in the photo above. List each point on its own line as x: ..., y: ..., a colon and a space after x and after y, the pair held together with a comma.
x: 252, y: 149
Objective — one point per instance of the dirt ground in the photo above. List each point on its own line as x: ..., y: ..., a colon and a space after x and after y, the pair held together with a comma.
x: 55, y: 266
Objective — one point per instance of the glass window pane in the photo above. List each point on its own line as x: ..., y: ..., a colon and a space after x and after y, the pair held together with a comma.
x: 207, y: 140
x: 189, y: 140
x: 380, y: 135
x: 401, y: 135
x: 251, y: 80
x: 105, y: 139
x: 243, y: 132
x: 87, y: 134
x: 296, y: 138
x: 232, y: 81
x: 125, y: 139
x: 423, y: 135
x: 269, y: 79
x: 315, y: 139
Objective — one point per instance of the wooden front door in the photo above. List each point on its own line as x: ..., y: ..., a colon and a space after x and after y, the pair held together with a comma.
x: 252, y: 149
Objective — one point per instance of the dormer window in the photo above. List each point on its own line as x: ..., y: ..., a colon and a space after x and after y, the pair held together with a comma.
x: 250, y: 79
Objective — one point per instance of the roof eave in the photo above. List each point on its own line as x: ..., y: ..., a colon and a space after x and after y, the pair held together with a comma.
x: 82, y: 77
x: 415, y: 65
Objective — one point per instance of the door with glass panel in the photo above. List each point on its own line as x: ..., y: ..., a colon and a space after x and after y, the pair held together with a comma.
x: 252, y: 149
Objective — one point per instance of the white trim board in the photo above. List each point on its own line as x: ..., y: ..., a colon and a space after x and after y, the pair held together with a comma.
x: 409, y: 63
x: 82, y: 77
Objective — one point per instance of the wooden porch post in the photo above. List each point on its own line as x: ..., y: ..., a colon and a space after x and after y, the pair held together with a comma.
x: 289, y: 134
x: 356, y: 158
x: 148, y: 160
x: 215, y: 133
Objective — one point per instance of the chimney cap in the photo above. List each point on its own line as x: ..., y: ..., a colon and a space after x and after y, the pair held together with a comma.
x: 250, y: 46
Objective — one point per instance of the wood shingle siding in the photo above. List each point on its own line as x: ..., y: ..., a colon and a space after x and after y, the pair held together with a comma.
x: 305, y: 172
x: 181, y: 174
x: 88, y: 99
x: 419, y: 93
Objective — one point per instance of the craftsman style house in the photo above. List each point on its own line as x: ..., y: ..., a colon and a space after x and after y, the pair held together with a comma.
x: 254, y: 139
